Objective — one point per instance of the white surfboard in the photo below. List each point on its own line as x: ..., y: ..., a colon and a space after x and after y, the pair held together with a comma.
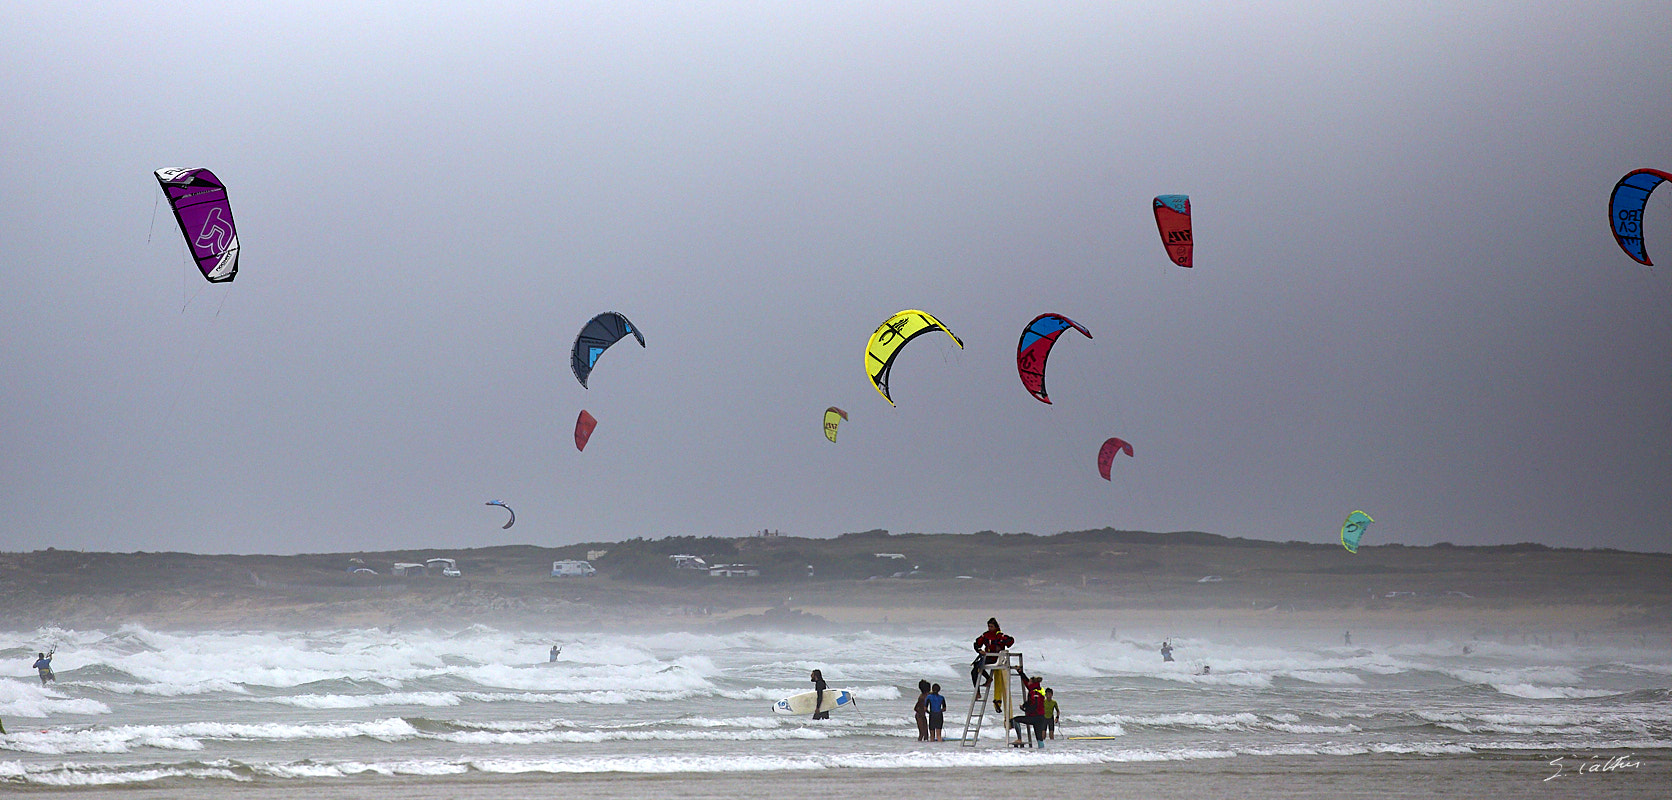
x: 803, y: 703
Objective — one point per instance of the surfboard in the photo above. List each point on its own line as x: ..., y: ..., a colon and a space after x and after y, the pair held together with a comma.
x: 803, y: 703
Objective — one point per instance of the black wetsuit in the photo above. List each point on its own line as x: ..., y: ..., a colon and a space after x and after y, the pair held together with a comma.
x: 818, y: 700
x: 1033, y: 711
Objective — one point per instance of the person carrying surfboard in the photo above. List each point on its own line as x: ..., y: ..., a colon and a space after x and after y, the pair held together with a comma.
x: 993, y: 641
x: 818, y: 700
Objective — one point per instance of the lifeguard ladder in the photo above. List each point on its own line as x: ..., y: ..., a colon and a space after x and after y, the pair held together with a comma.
x: 1004, y: 672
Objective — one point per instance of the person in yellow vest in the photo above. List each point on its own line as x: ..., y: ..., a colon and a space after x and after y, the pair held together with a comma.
x: 1050, y: 714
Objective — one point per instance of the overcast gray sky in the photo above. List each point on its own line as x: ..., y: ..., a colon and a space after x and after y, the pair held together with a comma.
x: 1406, y: 296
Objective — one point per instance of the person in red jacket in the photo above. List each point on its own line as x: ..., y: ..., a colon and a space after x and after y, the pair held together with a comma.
x: 993, y: 641
x: 1033, y: 713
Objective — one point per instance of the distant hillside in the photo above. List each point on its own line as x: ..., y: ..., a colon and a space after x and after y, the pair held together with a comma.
x: 1097, y: 568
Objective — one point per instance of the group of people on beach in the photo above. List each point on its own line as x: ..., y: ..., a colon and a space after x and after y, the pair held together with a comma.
x: 930, y: 711
x: 1039, y: 704
x: 1039, y: 709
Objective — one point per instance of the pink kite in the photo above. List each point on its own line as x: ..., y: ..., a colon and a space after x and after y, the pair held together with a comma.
x: 1106, y: 456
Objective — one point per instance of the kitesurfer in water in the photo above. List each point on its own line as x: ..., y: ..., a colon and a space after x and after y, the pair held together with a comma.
x: 43, y: 664
x: 1166, y: 651
x: 818, y: 697
x: 556, y: 650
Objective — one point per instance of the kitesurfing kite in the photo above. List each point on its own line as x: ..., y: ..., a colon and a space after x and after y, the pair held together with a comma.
x: 1038, y: 338
x: 1625, y: 210
x: 833, y: 416
x: 892, y: 335
x: 512, y: 520
x: 205, y: 216
x: 1353, y: 529
x: 583, y: 429
x: 1106, y: 455
x: 1172, y: 219
x: 595, y: 337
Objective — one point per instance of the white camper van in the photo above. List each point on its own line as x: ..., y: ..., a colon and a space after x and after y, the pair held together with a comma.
x: 572, y: 569
x: 445, y: 567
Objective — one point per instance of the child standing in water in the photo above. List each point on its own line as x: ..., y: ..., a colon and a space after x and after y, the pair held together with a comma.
x: 1050, y: 714
x: 920, y: 710
x: 937, y: 713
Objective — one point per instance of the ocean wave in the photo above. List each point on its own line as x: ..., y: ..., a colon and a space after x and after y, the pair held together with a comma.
x: 363, y: 700
x: 74, y: 774
x: 190, y: 736
x: 1286, y: 723
x: 165, y: 689
x: 112, y: 775
x: 23, y: 698
x: 1533, y: 692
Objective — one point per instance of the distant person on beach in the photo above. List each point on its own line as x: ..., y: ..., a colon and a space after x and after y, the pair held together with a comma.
x: 1050, y: 714
x: 921, y: 711
x: 43, y: 665
x: 819, y: 687
x: 993, y: 641
x: 1166, y: 651
x: 1347, y: 638
x: 937, y: 713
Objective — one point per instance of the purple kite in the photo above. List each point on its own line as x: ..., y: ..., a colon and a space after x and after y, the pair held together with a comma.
x: 1038, y: 338
x: 205, y: 216
x: 1106, y: 456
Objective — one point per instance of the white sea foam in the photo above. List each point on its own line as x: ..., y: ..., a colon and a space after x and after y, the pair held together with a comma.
x: 1531, y: 691
x: 99, y: 775
x: 166, y: 689
x: 329, y: 704
x: 21, y: 698
x: 190, y: 736
x: 433, y: 699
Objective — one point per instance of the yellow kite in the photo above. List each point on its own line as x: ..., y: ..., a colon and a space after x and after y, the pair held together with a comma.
x: 892, y: 335
x: 833, y: 417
